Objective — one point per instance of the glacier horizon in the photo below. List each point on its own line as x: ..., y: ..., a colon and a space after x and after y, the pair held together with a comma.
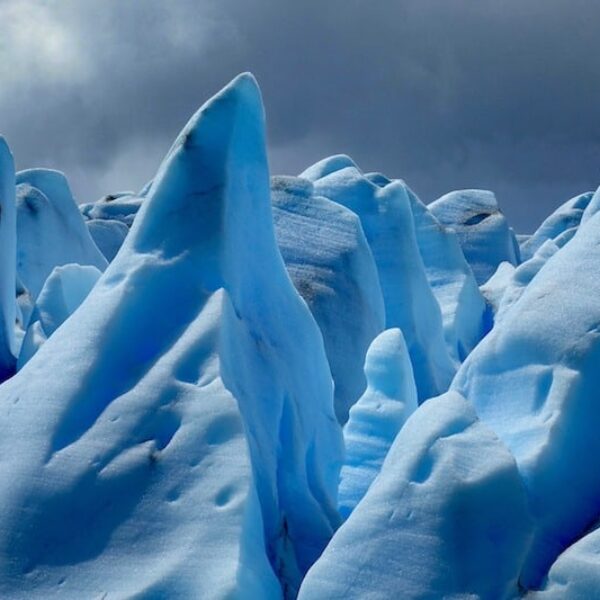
x: 237, y: 385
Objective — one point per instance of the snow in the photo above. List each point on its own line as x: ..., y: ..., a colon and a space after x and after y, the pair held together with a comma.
x: 483, y: 231
x: 576, y: 573
x: 494, y: 288
x: 590, y: 207
x: 376, y: 419
x: 523, y: 275
x: 122, y: 207
x: 447, y: 517
x: 328, y: 258
x: 533, y: 380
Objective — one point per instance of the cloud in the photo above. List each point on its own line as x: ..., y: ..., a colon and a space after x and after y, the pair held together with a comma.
x: 503, y: 95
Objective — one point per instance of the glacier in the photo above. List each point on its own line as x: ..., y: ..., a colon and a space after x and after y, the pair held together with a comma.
x: 329, y: 261
x: 485, y: 237
x: 232, y: 384
x: 8, y: 276
x: 431, y: 524
x: 386, y: 217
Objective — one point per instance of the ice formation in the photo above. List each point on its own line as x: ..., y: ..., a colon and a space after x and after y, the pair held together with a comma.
x: 532, y: 380
x: 377, y: 417
x: 432, y: 524
x: 50, y: 230
x: 108, y: 234
x: 386, y: 217
x: 228, y: 385
x: 483, y: 231
x: 8, y: 250
x: 329, y: 261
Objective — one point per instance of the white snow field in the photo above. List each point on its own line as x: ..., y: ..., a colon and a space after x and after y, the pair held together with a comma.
x: 235, y: 386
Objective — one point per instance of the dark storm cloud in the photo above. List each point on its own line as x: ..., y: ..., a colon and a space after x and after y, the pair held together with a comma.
x: 444, y: 93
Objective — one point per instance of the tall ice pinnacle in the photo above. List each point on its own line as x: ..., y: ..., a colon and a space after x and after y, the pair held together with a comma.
x: 181, y: 419
x: 8, y: 249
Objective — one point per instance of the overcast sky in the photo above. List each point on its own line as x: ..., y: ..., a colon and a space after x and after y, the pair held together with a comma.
x: 447, y: 94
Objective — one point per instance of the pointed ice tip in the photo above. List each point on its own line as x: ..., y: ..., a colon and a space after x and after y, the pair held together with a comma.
x: 389, y: 343
x: 244, y: 86
x: 7, y: 164
x: 245, y: 78
x: 216, y: 168
x: 241, y: 92
x: 5, y: 152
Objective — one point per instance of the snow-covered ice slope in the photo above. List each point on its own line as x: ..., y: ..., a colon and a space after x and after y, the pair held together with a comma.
x: 446, y: 518
x: 483, y: 231
x: 327, y: 256
x: 576, y: 573
x: 387, y: 220
x: 534, y: 381
x: 524, y: 274
x: 175, y: 437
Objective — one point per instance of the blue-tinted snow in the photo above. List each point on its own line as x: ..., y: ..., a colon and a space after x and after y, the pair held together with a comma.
x: 446, y: 518
x: 464, y: 310
x: 121, y: 207
x: 494, y: 288
x: 576, y: 573
x: 534, y: 381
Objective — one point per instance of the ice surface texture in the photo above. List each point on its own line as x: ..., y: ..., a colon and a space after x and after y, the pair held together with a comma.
x: 386, y: 217
x: 331, y: 265
x: 378, y: 416
x: 483, y: 231
x: 533, y: 380
x: 183, y: 441
x: 228, y: 385
x: 432, y: 524
x: 8, y: 250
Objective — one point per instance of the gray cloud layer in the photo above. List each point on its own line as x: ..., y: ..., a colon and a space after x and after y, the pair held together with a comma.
x: 501, y: 94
